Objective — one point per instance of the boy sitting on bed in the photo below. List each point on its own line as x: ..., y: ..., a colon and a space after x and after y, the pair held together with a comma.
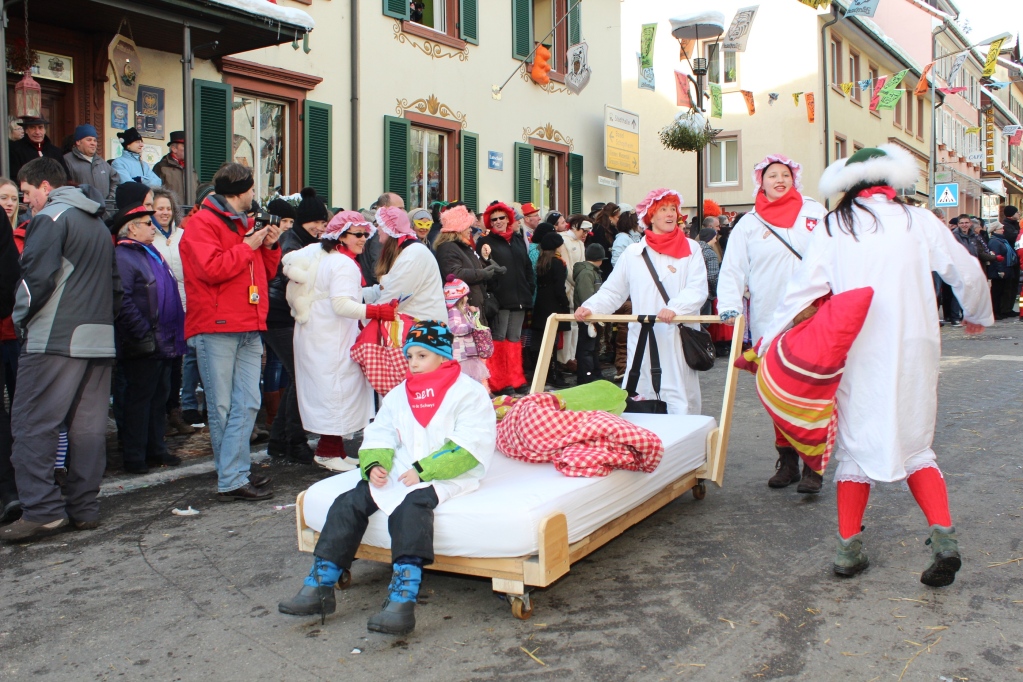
x: 432, y: 439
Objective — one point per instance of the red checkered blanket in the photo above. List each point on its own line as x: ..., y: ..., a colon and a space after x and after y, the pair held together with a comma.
x: 537, y: 428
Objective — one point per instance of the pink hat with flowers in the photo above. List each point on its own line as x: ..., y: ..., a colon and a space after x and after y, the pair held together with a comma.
x: 394, y: 221
x: 344, y: 221
x: 457, y: 219
x: 758, y: 172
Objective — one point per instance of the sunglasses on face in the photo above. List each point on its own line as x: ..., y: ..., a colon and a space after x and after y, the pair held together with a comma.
x: 359, y: 235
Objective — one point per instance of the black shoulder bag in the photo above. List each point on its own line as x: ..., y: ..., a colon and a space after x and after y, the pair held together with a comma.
x: 697, y: 346
x: 646, y: 337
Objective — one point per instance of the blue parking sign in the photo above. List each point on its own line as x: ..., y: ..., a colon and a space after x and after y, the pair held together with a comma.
x: 946, y: 195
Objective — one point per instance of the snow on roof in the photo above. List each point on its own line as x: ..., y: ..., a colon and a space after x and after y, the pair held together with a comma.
x: 270, y: 11
x: 1000, y: 106
x: 892, y: 46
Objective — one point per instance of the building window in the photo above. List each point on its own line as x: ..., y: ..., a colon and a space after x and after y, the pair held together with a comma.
x: 723, y: 162
x: 429, y: 13
x: 908, y: 96
x: 857, y: 147
x: 450, y: 22
x: 722, y: 74
x: 897, y: 115
x: 872, y: 75
x: 854, y: 75
x: 260, y: 143
x: 840, y: 147
x: 920, y: 117
x: 545, y: 181
x: 427, y: 167
x: 836, y: 62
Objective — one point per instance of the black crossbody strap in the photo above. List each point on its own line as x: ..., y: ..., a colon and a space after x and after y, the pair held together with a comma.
x: 646, y: 338
x: 778, y: 236
x: 653, y: 273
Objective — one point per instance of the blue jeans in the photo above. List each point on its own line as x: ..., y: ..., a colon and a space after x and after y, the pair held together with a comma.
x: 229, y: 365
x: 189, y: 380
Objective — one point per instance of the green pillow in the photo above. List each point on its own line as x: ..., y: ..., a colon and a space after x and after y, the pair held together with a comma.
x: 597, y: 395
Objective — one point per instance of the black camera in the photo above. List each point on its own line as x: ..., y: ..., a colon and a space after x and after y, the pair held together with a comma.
x: 263, y: 219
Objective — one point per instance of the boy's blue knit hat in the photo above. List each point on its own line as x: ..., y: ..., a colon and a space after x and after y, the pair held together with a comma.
x: 433, y: 336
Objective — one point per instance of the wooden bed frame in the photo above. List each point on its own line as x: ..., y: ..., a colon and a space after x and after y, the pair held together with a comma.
x: 516, y: 576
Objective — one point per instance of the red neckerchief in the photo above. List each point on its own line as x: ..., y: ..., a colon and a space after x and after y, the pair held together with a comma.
x: 180, y: 162
x: 673, y: 244
x: 425, y: 392
x: 343, y: 250
x: 506, y: 235
x: 878, y: 189
x: 783, y: 211
x: 38, y: 146
x: 406, y: 239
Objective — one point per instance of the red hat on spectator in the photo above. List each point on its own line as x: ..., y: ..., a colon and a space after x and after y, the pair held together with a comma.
x: 498, y: 208
x: 529, y: 208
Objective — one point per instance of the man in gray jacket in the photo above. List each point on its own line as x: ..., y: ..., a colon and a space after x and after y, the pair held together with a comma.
x: 67, y: 300
x: 87, y: 166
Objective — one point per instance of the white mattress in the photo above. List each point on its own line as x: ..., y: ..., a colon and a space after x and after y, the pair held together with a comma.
x: 502, y: 518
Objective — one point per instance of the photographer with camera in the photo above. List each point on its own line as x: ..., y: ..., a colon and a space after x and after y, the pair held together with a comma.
x: 228, y: 261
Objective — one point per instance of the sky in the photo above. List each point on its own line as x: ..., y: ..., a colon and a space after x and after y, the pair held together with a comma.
x: 991, y: 17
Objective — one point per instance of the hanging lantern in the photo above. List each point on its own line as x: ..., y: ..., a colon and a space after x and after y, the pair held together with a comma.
x: 28, y: 97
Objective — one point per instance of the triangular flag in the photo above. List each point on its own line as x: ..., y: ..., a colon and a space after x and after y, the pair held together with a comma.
x: 973, y: 129
x: 876, y: 97
x: 1010, y: 129
x: 1016, y: 139
x: 921, y: 87
x: 952, y: 91
x: 846, y: 87
x: 864, y: 84
x: 809, y: 107
x: 795, y: 98
x: 992, y: 57
x: 772, y: 97
x: 750, y: 106
x: 682, y: 97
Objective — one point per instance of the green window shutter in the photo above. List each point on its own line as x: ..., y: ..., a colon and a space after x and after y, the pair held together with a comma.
x: 470, y: 163
x: 213, y: 125
x: 469, y: 21
x: 396, y: 153
x: 574, y: 29
x: 396, y: 8
x: 522, y: 28
x: 316, y: 153
x: 523, y: 173
x: 575, y: 183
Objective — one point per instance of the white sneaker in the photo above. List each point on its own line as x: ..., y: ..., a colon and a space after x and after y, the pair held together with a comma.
x: 337, y: 463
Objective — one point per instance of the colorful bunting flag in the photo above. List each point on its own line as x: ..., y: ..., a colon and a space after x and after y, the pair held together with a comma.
x: 921, y: 87
x: 956, y: 65
x: 846, y: 87
x: 876, y: 97
x: 795, y: 97
x: 646, y: 45
x: 1016, y: 139
x: 992, y: 57
x: 997, y: 85
x: 889, y: 98
x: 685, y: 49
x: 809, y: 107
x: 1010, y: 130
x: 973, y: 129
x: 750, y: 106
x: 864, y: 84
x: 772, y: 97
x: 816, y: 4
x: 682, y: 97
x: 862, y: 8
x: 645, y: 78
x: 738, y: 32
x: 715, y: 101
x: 896, y: 80
x: 952, y: 91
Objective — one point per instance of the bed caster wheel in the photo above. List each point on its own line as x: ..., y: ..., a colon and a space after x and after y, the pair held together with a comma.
x: 521, y: 607
x: 699, y: 491
x: 345, y: 581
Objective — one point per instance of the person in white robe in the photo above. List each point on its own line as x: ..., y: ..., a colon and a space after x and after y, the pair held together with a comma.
x: 679, y: 264
x: 407, y: 269
x: 325, y: 292
x: 761, y: 256
x: 432, y: 440
x: 887, y: 398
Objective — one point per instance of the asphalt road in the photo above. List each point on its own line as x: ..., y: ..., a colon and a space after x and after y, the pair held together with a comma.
x: 735, y: 587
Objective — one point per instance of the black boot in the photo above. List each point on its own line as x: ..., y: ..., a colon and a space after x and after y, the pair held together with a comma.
x: 317, y: 594
x: 398, y: 615
x: 810, y: 483
x: 787, y: 468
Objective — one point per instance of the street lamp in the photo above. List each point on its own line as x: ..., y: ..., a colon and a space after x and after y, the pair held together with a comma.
x: 691, y: 27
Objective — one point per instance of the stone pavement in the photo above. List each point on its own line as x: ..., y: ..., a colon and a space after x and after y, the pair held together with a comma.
x: 735, y: 587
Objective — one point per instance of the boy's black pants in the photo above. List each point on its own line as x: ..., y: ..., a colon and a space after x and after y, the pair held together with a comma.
x: 410, y: 526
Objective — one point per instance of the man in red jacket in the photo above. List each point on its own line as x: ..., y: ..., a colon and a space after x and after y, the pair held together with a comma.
x: 227, y: 264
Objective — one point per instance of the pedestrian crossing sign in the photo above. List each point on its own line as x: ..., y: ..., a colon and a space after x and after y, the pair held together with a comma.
x: 946, y: 195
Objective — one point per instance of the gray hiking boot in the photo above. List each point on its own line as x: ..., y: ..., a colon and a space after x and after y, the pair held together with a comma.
x: 945, y: 559
x: 310, y: 601
x: 850, y: 558
x: 398, y: 616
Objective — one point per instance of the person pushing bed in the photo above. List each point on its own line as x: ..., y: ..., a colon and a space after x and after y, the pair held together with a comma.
x: 432, y: 440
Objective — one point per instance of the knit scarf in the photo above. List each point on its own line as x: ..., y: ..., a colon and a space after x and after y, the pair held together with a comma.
x: 343, y: 250
x: 506, y: 235
x: 878, y: 189
x: 673, y: 244
x: 425, y: 392
x: 783, y: 211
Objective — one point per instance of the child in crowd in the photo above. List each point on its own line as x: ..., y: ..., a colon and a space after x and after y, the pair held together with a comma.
x: 587, y: 282
x: 432, y: 439
x: 462, y: 319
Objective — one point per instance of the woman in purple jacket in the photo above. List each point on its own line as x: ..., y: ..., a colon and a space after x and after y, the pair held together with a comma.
x: 150, y: 332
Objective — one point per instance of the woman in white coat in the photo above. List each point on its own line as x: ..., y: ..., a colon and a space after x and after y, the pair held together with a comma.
x: 325, y: 291
x: 761, y: 256
x: 680, y: 267
x: 407, y: 269
x: 887, y: 398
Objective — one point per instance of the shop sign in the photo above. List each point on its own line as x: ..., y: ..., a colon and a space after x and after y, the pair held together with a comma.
x: 124, y: 57
x: 149, y: 112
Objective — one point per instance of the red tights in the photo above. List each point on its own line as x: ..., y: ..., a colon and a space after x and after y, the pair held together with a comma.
x: 927, y: 486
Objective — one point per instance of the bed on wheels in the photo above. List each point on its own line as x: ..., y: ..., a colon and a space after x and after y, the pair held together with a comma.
x: 527, y: 524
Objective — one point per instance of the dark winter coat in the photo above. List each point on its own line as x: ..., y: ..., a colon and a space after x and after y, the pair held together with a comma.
x: 151, y: 301
x: 598, y: 236
x: 22, y: 151
x: 513, y: 289
x: 70, y: 291
x: 551, y: 298
x: 457, y: 258
x: 279, y: 315
x: 587, y: 278
x: 173, y: 175
x: 1011, y: 231
x: 10, y: 269
x: 1000, y: 269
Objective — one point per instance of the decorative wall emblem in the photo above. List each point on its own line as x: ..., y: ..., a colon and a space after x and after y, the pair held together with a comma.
x: 429, y: 47
x: 551, y: 88
x: 547, y: 132
x: 432, y: 106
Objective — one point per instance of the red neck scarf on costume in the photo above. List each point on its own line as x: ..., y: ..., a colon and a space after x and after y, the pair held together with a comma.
x: 343, y: 250
x: 506, y: 235
x: 783, y: 211
x: 425, y: 392
x: 878, y: 189
x: 180, y: 162
x: 673, y: 244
